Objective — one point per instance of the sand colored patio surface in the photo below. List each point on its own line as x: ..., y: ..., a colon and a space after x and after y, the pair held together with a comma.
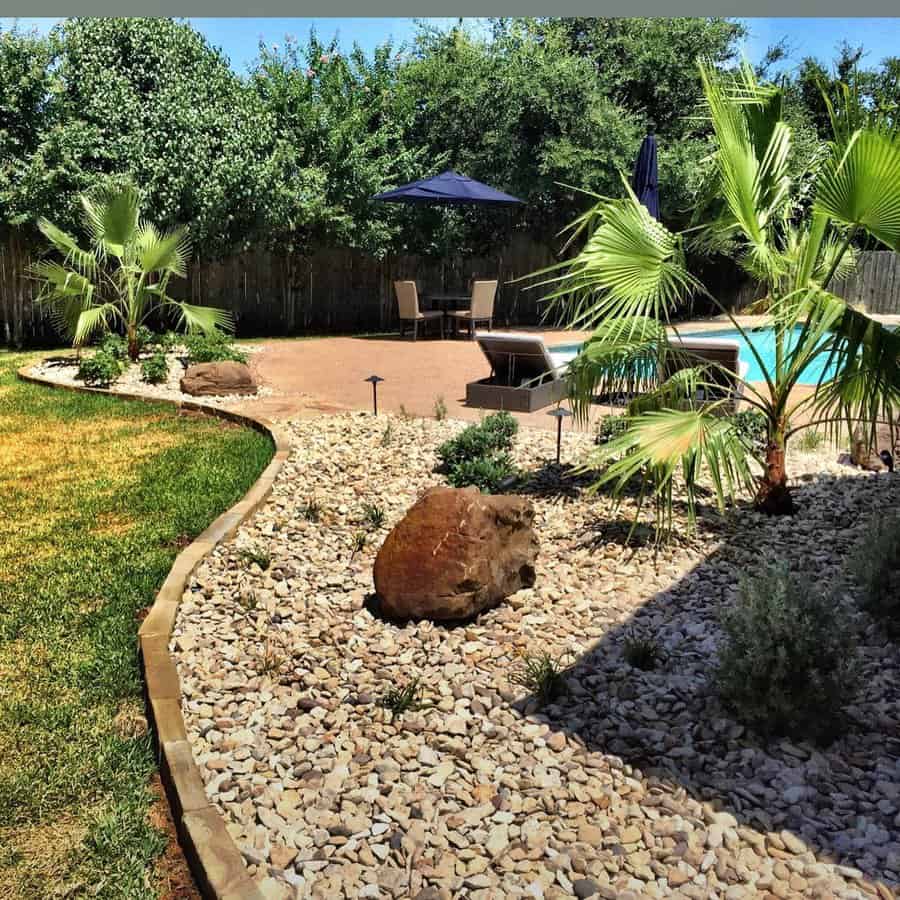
x: 309, y: 376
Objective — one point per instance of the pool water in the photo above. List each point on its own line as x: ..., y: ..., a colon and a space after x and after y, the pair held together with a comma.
x: 763, y: 339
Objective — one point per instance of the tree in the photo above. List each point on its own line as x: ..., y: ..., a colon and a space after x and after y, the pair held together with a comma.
x: 150, y: 100
x: 522, y: 114
x: 631, y: 276
x: 340, y: 137
x: 123, y: 278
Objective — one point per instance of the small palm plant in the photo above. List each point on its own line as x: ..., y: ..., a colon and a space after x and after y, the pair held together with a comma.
x: 122, y: 278
x: 631, y: 277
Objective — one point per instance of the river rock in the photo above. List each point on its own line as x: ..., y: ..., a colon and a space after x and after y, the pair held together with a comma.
x: 455, y: 553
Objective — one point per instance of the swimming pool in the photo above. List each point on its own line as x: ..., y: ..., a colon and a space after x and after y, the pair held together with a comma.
x: 763, y: 339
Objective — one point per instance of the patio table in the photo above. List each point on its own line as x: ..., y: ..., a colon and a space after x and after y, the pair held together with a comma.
x: 445, y: 302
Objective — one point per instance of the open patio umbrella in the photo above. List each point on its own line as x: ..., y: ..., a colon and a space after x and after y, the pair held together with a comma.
x: 645, y: 180
x: 449, y: 189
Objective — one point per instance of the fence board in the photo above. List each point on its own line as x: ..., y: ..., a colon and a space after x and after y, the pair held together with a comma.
x: 334, y: 290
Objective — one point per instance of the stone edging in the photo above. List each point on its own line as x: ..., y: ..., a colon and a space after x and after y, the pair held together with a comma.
x: 214, y: 858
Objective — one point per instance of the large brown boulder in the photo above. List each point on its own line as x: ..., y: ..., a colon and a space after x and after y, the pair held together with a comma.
x: 456, y: 553
x: 218, y: 378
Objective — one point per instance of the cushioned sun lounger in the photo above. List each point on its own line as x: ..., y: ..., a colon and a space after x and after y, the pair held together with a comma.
x: 693, y: 351
x: 524, y: 377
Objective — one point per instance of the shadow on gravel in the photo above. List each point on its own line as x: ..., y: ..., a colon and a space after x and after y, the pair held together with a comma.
x: 843, y: 801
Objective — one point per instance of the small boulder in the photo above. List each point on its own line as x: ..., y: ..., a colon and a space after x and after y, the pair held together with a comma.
x: 217, y: 379
x: 456, y: 553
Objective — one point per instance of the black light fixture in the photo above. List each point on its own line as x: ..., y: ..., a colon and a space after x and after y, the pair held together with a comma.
x: 373, y: 380
x: 559, y: 414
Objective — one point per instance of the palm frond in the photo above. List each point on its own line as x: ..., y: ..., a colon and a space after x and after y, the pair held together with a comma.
x: 631, y: 265
x: 658, y: 445
x: 83, y: 261
x: 112, y: 218
x: 93, y: 319
x: 860, y: 187
x: 200, y: 318
x: 865, y: 389
x: 157, y: 252
x: 621, y: 356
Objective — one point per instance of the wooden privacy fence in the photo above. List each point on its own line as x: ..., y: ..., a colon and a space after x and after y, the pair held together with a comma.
x: 335, y: 290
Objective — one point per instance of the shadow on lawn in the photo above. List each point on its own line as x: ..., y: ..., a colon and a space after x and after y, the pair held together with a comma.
x: 669, y: 722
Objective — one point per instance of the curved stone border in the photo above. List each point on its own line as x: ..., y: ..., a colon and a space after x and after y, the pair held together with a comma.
x: 214, y: 858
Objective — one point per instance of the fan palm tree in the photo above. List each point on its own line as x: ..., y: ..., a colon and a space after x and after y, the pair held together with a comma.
x: 631, y: 277
x: 122, y: 278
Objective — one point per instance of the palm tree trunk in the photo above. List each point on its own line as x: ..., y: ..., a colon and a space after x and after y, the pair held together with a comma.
x: 774, y: 496
x: 133, y: 349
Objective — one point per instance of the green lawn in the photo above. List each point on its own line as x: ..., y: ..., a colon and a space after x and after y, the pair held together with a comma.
x: 96, y: 498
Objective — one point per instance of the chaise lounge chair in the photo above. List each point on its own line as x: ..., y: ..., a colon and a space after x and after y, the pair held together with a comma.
x: 524, y: 377
x: 692, y: 351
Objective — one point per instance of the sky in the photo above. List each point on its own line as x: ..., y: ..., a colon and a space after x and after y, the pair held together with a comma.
x: 239, y: 38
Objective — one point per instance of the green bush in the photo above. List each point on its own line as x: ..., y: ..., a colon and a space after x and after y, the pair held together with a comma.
x: 146, y: 339
x: 114, y: 345
x: 487, y: 473
x: 610, y: 427
x: 478, y: 456
x: 214, y: 347
x: 493, y: 435
x: 101, y: 369
x: 752, y: 425
x: 789, y: 663
x: 155, y: 368
x: 874, y: 566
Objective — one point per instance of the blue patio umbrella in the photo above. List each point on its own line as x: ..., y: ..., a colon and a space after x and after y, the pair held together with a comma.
x: 645, y: 180
x: 448, y: 189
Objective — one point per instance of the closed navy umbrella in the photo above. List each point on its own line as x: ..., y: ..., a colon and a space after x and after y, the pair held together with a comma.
x: 645, y: 180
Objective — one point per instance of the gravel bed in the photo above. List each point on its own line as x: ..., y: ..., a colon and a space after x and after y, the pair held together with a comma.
x: 635, y: 784
x: 64, y: 370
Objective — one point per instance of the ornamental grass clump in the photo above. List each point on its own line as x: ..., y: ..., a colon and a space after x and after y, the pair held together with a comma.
x: 479, y: 455
x: 874, y: 567
x: 789, y: 662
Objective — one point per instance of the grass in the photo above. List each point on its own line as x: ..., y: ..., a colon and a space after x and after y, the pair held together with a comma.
x: 97, y: 496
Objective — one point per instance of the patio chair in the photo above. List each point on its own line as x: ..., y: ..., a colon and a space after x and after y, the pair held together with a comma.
x: 481, y: 309
x: 693, y: 351
x: 408, y: 304
x: 524, y: 377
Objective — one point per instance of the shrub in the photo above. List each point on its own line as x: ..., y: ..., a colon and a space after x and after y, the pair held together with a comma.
x: 610, y: 427
x: 752, y: 425
x: 810, y: 440
x: 255, y: 554
x: 214, y: 347
x: 489, y: 437
x: 311, y: 510
x: 146, y: 339
x: 789, y: 661
x: 101, y: 369
x: 642, y: 652
x: 874, y: 566
x: 487, y: 473
x: 387, y: 435
x: 542, y: 674
x: 373, y: 515
x: 403, y: 699
x: 114, y: 345
x: 155, y: 368
x: 440, y: 409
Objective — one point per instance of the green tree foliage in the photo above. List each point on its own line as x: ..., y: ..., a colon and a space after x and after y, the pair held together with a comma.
x: 340, y: 137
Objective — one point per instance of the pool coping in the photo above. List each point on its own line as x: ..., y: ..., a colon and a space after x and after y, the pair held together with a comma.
x: 214, y: 858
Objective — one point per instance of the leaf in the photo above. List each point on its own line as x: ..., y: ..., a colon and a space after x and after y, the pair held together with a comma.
x: 861, y: 186
x: 201, y: 318
x: 92, y: 319
x: 658, y: 444
x: 112, y: 218
x: 163, y: 253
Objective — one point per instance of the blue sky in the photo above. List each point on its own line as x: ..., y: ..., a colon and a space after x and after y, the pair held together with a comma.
x: 239, y: 38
